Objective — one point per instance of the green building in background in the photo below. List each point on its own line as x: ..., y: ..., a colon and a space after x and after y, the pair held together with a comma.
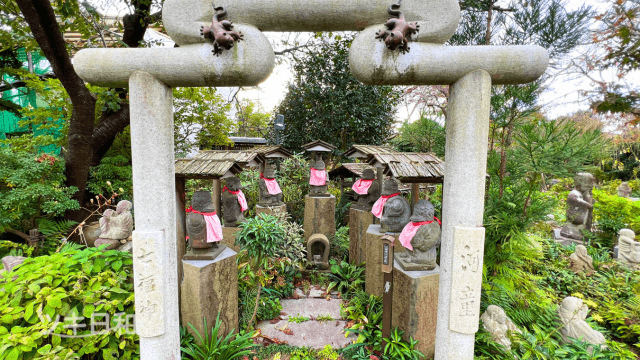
x: 24, y: 97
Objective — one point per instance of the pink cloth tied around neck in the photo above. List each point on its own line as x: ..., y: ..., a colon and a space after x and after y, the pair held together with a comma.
x: 410, y: 231
x: 241, y: 199
x: 379, y: 204
x: 318, y: 177
x: 362, y: 186
x: 214, y: 227
x: 272, y: 185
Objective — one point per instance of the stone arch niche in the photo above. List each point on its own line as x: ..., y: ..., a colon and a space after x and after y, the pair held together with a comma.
x: 318, y: 248
x: 150, y: 73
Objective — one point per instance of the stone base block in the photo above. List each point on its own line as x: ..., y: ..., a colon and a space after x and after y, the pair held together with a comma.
x: 374, y: 277
x: 359, y: 221
x: 564, y: 241
x: 279, y: 210
x: 209, y: 287
x: 204, y: 254
x: 415, y: 306
x: 229, y: 237
x: 319, y: 216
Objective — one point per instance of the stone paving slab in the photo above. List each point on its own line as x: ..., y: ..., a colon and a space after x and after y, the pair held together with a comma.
x: 314, y: 334
x: 311, y: 307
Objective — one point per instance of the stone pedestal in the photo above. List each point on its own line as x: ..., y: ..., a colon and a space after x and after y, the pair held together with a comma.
x: 229, y: 237
x: 210, y: 287
x: 565, y: 241
x: 374, y: 277
x: 319, y: 216
x: 271, y: 210
x: 415, y: 306
x: 359, y: 221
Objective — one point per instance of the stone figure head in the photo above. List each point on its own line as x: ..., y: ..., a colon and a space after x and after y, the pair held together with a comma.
x: 423, y: 211
x: 497, y: 314
x: 124, y: 206
x: 389, y: 187
x: 629, y: 248
x: 368, y: 174
x: 202, y: 202
x: 581, y: 251
x: 233, y: 183
x: 269, y: 172
x: 628, y: 233
x: 572, y: 305
x: 583, y: 181
x: 318, y: 165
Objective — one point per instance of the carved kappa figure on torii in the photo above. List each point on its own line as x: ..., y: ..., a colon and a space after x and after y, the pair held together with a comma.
x: 220, y: 32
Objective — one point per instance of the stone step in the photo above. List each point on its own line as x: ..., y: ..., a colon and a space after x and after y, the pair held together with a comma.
x: 314, y: 334
x: 311, y: 308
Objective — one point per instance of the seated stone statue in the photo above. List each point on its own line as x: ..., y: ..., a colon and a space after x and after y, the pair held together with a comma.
x: 366, y: 200
x: 572, y: 314
x: 233, y: 202
x: 421, y: 237
x: 115, y: 225
x: 495, y: 321
x: 579, y: 207
x: 318, y: 180
x: 269, y: 190
x: 580, y: 260
x: 628, y: 247
x: 395, y: 209
x: 624, y: 190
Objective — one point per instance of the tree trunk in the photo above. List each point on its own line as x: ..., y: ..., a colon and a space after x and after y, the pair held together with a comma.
x: 503, y: 157
x: 487, y: 36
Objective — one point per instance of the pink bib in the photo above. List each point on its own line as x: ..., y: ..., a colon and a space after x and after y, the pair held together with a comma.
x: 214, y: 227
x: 318, y: 177
x: 410, y: 231
x: 241, y: 199
x: 362, y: 186
x: 272, y: 185
x: 379, y: 205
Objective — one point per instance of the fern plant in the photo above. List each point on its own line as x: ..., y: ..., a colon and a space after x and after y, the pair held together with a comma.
x: 346, y: 278
x: 397, y: 348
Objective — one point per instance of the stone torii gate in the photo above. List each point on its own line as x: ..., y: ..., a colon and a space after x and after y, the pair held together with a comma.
x: 151, y: 73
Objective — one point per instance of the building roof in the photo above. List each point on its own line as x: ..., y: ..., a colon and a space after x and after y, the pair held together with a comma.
x: 248, y: 140
x: 206, y: 169
x: 241, y: 157
x: 348, y: 170
x: 412, y: 167
x: 272, y: 151
x: 364, y: 151
x: 318, y: 145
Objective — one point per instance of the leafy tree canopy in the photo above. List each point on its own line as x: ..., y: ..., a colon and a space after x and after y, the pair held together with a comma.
x: 324, y: 102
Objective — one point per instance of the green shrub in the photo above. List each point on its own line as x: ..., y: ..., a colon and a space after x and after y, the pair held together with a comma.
x: 32, y: 187
x: 74, y: 284
x: 340, y: 244
x: 213, y: 346
x: 117, y: 171
x: 366, y: 313
x: 397, y: 348
x: 612, y: 213
x: 261, y: 237
x: 346, y: 278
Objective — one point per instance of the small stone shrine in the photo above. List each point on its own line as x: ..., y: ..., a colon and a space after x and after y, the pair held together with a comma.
x: 624, y: 190
x: 395, y: 212
x: 421, y: 237
x: 234, y: 203
x: 318, y: 248
x: 572, y: 313
x: 203, y: 228
x: 628, y: 247
x: 579, y: 207
x: 115, y: 225
x: 496, y: 321
x: 580, y: 261
x: 319, y: 205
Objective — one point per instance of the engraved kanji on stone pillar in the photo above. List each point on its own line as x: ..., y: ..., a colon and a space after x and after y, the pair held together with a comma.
x: 467, y: 279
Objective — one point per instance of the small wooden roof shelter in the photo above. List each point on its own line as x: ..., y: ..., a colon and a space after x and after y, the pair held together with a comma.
x: 412, y: 167
x: 365, y: 151
x: 319, y: 146
x: 272, y: 151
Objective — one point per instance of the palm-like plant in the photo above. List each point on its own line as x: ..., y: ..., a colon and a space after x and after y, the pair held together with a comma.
x: 213, y: 346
